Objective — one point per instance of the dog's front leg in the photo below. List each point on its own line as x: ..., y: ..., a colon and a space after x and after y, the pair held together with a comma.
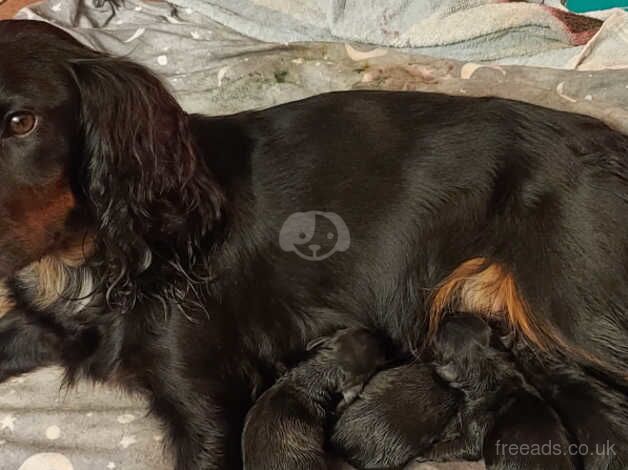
x: 203, y: 426
x: 25, y: 345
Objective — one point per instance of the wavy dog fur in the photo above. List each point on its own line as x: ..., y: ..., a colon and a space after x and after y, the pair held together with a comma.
x: 186, y: 294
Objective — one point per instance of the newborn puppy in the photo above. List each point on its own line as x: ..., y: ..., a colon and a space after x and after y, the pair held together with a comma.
x: 401, y: 413
x: 285, y: 428
x: 595, y: 412
x: 473, y: 404
x: 503, y: 418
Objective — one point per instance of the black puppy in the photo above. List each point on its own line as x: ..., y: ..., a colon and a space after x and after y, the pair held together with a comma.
x: 501, y: 417
x: 286, y: 428
x: 399, y: 416
x: 596, y: 413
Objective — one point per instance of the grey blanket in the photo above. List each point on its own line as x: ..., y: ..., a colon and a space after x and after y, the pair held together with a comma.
x: 533, y: 33
x: 214, y: 69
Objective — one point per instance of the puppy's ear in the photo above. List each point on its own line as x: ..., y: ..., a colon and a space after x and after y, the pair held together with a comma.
x: 149, y: 189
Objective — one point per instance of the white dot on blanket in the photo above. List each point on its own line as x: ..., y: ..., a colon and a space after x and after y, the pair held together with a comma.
x: 53, y: 433
x: 162, y: 60
x: 126, y: 419
x: 48, y: 461
x: 195, y: 35
x: 56, y: 7
x: 588, y: 98
x: 111, y: 465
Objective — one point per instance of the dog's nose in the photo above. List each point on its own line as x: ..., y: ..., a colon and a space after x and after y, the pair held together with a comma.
x: 314, y: 248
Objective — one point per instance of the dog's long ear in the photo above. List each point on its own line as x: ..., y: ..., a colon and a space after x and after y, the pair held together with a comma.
x: 150, y: 191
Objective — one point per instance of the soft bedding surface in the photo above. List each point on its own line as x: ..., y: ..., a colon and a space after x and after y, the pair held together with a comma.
x: 215, y: 59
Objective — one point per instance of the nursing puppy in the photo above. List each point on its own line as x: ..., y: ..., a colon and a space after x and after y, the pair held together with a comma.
x: 287, y: 426
x: 398, y: 417
x: 595, y: 413
x: 503, y: 419
x: 499, y: 416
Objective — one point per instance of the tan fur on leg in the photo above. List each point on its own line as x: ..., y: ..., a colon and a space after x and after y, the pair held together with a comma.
x: 488, y: 289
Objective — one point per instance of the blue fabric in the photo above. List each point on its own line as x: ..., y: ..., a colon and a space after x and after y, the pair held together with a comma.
x: 590, y: 5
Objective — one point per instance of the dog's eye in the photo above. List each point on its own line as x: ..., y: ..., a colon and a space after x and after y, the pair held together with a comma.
x: 20, y: 124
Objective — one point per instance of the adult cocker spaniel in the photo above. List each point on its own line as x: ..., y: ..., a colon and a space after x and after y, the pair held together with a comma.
x: 193, y: 258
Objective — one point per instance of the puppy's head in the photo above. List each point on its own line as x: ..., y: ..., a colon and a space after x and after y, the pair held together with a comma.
x: 355, y: 352
x: 461, y: 343
x: 358, y: 351
x: 91, y: 143
x: 461, y: 336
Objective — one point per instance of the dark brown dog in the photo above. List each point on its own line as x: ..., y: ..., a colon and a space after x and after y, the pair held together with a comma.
x: 221, y: 246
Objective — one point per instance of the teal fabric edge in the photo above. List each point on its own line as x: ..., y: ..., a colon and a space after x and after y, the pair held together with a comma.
x: 582, y: 6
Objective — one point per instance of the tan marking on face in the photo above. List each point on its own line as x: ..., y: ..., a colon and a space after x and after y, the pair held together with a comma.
x: 37, y: 215
x: 6, y: 300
